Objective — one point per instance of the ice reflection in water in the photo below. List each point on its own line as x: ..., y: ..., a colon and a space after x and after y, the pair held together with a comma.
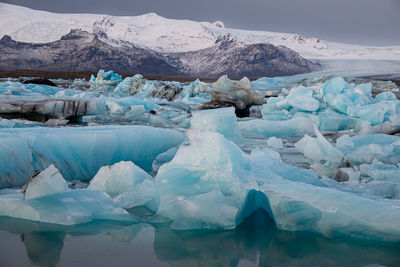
x: 256, y: 242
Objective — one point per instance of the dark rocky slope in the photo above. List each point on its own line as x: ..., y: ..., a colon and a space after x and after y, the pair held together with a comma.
x: 238, y: 59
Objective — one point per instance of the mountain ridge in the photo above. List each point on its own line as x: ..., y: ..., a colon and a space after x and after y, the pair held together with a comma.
x: 165, y: 35
x: 84, y: 51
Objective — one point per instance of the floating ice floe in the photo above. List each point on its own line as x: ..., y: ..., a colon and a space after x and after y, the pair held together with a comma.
x: 127, y: 184
x: 49, y: 200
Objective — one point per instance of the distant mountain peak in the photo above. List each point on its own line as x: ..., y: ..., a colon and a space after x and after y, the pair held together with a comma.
x: 166, y: 35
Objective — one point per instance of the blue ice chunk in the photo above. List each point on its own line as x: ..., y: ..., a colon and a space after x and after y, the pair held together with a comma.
x: 105, y: 81
x: 374, y: 113
x: 304, y: 103
x: 364, y: 89
x: 300, y: 98
x: 67, y: 208
x: 129, y: 86
x: 46, y: 183
x: 331, y: 212
x: 357, y: 99
x: 127, y: 184
x: 366, y: 148
x: 271, y: 111
x: 20, y: 89
x: 330, y: 121
x: 79, y: 152
x: 296, y: 127
x: 221, y: 120
x: 342, y: 104
x: 326, y: 159
x: 380, y: 171
x: 334, y: 86
x: 276, y: 83
x: 385, y: 96
x: 269, y: 163
x: 202, y: 186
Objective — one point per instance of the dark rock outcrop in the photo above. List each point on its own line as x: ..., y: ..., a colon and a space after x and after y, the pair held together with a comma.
x: 39, y: 81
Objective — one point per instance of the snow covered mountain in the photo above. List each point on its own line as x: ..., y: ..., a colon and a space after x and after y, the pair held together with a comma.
x: 168, y: 35
x: 83, y: 51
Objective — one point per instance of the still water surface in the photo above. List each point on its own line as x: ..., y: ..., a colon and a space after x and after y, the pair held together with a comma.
x: 254, y: 243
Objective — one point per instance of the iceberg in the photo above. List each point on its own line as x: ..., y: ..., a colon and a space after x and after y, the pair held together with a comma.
x: 79, y: 152
x: 66, y: 208
x: 296, y: 127
x: 49, y: 200
x: 127, y: 184
x: 105, y: 81
x: 326, y: 159
x: 302, y: 207
x: 300, y: 98
x: 221, y: 120
x: 201, y: 186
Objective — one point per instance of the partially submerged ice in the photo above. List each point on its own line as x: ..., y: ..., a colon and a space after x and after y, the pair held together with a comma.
x: 49, y: 200
x: 68, y: 208
x: 202, y: 186
x: 79, y: 152
x: 127, y: 184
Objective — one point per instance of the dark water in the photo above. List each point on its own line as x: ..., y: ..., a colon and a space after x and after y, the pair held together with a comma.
x: 254, y: 243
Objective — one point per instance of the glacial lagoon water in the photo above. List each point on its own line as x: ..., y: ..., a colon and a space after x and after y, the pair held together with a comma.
x: 256, y: 242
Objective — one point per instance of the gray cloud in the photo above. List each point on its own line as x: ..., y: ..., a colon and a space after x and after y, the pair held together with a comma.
x: 372, y: 22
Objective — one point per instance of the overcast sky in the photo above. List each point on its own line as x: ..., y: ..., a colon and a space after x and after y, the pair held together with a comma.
x: 371, y: 22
